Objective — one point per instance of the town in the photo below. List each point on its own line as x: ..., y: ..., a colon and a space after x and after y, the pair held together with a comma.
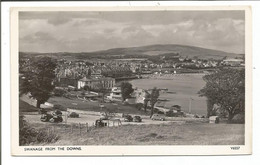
x: 93, y: 86
x: 78, y: 73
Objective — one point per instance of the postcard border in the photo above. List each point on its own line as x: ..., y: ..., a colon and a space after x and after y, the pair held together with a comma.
x: 17, y: 150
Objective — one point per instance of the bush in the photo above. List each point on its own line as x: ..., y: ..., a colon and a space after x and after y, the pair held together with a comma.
x: 59, y: 92
x: 169, y: 113
x: 238, y: 118
x: 139, y: 106
x: 29, y: 135
x: 160, y: 112
x: 59, y: 107
x: 86, y: 88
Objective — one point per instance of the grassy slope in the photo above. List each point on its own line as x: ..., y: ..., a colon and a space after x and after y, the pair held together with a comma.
x: 94, y: 106
x: 173, y: 134
x: 25, y: 107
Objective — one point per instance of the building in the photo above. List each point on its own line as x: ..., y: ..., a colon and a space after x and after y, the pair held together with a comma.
x: 115, y: 94
x: 92, y: 83
x: 233, y: 62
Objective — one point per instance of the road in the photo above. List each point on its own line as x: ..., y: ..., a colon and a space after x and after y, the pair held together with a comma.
x: 90, y: 119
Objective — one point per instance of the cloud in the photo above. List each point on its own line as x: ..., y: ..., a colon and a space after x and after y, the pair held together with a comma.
x: 131, y: 29
x: 91, y: 31
x: 85, y: 22
x: 37, y: 37
x: 109, y: 30
x: 58, y: 20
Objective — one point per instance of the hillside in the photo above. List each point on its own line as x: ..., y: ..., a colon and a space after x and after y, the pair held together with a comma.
x: 143, y: 51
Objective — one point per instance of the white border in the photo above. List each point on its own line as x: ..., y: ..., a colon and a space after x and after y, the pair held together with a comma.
x: 132, y: 150
x: 195, y: 160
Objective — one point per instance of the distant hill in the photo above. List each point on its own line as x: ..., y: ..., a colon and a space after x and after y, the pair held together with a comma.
x: 144, y: 51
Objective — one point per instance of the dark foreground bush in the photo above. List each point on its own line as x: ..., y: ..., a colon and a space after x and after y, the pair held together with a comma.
x: 30, y: 136
x: 238, y: 118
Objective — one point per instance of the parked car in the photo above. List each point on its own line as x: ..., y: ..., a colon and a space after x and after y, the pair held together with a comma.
x: 73, y: 115
x: 137, y: 119
x: 128, y: 118
x: 158, y: 117
x: 100, y: 123
x: 56, y: 117
x: 45, y: 117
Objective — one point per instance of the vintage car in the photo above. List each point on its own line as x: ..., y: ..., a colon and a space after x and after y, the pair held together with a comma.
x: 100, y: 123
x: 73, y: 115
x: 56, y: 117
x: 128, y: 118
x: 158, y: 117
x: 45, y: 117
x: 137, y: 119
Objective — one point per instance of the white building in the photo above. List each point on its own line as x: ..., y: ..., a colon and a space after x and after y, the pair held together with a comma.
x: 92, y: 83
x: 115, y: 94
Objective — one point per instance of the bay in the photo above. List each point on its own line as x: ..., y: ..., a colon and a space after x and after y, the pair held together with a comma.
x: 182, y: 90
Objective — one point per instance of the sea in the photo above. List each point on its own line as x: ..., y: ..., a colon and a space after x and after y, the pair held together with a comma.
x: 182, y: 90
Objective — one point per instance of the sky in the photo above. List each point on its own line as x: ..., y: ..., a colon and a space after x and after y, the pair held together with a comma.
x: 85, y: 31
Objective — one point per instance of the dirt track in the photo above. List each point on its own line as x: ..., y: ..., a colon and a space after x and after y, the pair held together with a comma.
x: 91, y: 117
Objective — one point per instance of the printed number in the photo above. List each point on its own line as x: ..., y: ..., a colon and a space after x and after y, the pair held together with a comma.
x: 235, y: 148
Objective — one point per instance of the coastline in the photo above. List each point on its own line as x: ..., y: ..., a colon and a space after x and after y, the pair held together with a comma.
x: 182, y: 90
x: 169, y: 76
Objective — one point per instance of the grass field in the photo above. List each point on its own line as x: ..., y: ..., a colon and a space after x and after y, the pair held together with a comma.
x: 171, y: 134
x: 95, y: 106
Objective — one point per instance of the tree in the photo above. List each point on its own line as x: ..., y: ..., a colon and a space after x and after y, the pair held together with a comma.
x: 226, y: 88
x: 86, y: 88
x: 59, y: 92
x: 99, y: 87
x: 126, y: 90
x: 38, y: 81
x: 147, y: 97
x: 210, y: 104
x: 153, y: 99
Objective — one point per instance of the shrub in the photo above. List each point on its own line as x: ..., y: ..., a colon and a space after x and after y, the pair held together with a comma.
x: 59, y: 107
x: 160, y: 112
x: 238, y: 118
x: 139, y: 106
x: 59, y: 92
x: 86, y: 88
x: 169, y: 113
x: 29, y: 135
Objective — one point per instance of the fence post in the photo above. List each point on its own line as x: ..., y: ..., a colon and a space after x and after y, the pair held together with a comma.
x: 48, y: 131
x: 87, y: 126
x: 79, y: 129
x: 66, y: 117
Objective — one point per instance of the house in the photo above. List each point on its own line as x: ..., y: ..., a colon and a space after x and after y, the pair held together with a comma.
x: 233, y: 62
x: 115, y: 94
x: 92, y: 83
